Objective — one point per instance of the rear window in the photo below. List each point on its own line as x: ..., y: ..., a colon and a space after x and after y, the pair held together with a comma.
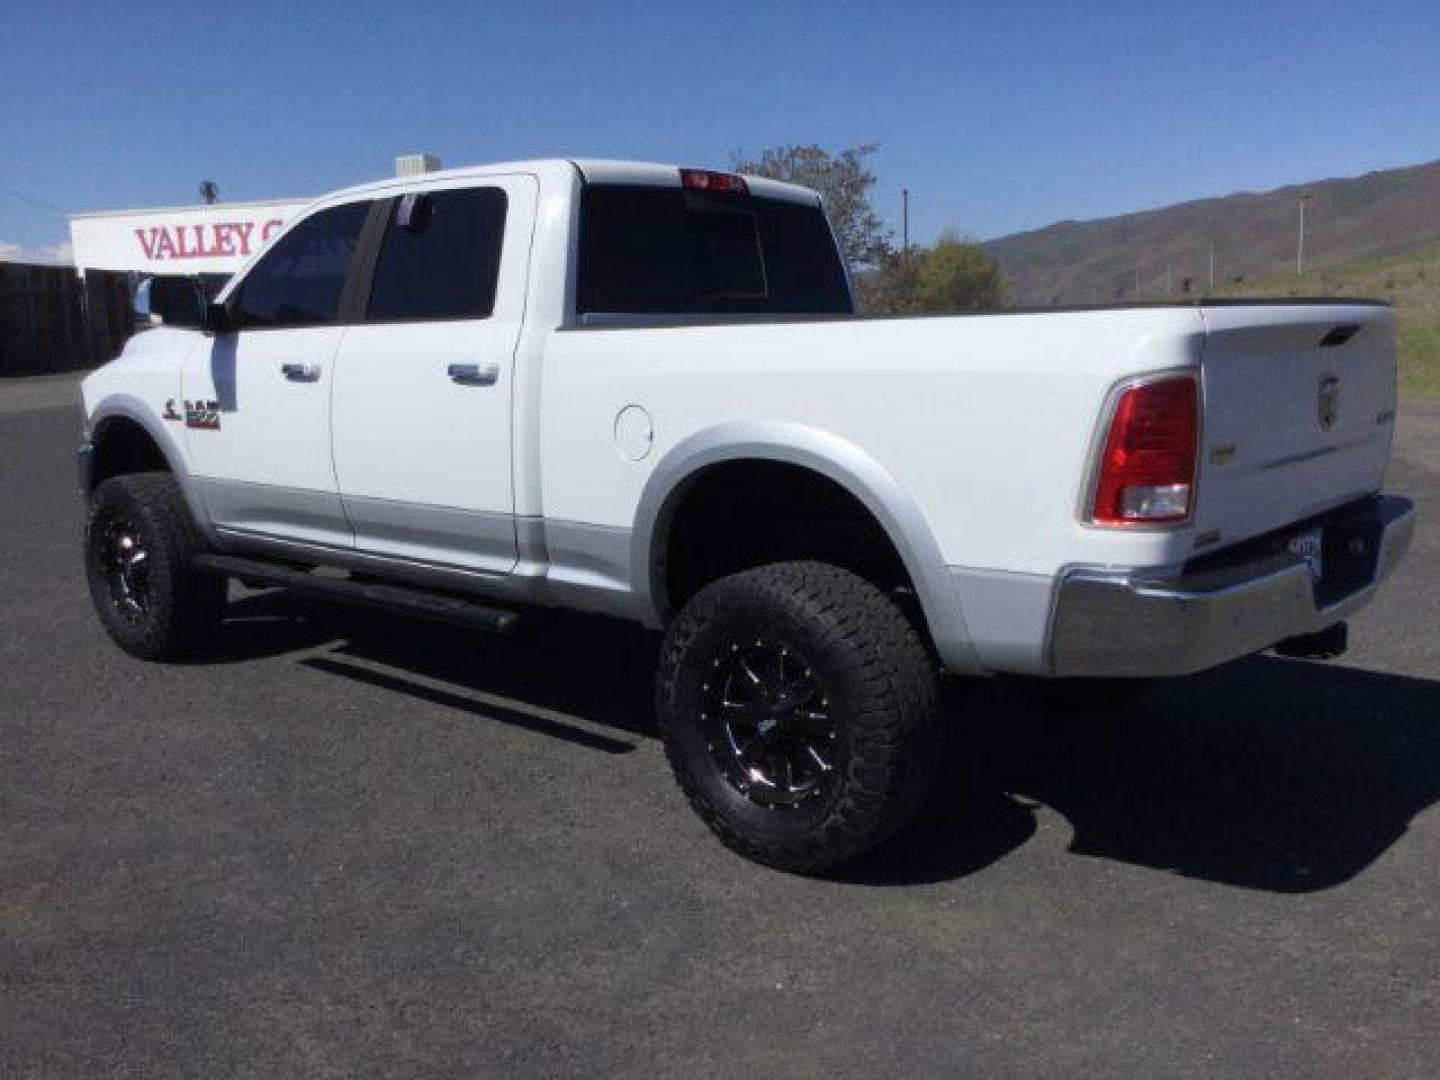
x: 671, y: 251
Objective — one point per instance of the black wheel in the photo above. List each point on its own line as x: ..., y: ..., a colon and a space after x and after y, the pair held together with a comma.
x: 1081, y: 695
x: 139, y: 540
x: 800, y: 713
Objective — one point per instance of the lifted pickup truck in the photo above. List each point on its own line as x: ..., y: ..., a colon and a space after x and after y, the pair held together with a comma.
x: 642, y: 391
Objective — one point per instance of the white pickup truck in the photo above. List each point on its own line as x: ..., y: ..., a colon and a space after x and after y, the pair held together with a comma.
x: 641, y: 390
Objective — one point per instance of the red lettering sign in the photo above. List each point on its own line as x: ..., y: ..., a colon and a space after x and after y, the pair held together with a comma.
x: 216, y: 240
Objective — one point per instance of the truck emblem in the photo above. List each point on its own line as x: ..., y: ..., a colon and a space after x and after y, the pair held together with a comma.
x: 1329, y: 401
x: 204, y: 415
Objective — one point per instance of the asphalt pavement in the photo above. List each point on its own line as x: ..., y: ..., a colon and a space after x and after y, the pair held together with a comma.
x: 347, y: 845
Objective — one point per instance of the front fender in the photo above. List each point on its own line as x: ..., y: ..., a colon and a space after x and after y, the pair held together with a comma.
x: 132, y: 408
x: 838, y: 460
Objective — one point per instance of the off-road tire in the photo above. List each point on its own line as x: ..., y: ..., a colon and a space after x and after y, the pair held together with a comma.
x: 180, y: 607
x: 883, y: 690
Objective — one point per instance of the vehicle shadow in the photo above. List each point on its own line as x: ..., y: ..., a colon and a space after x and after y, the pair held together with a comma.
x: 597, y: 670
x: 1269, y: 774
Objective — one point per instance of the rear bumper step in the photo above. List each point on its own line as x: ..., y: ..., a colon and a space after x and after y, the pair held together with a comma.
x: 426, y: 605
x: 1122, y: 624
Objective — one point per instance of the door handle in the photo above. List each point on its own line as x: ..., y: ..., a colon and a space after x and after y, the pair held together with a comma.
x: 475, y: 374
x: 300, y: 372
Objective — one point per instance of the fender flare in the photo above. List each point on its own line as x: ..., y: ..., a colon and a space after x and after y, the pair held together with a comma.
x: 838, y: 460
x: 129, y: 407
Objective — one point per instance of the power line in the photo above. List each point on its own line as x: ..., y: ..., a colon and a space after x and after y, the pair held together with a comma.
x: 34, y: 201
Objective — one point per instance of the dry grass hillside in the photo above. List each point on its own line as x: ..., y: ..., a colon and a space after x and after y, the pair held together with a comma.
x: 1150, y: 254
x: 1411, y: 282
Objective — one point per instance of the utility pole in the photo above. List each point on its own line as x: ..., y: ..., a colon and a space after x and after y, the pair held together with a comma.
x: 1212, y: 262
x: 907, y: 280
x: 1300, y: 244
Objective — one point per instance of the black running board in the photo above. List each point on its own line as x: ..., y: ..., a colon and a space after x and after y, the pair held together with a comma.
x: 397, y: 598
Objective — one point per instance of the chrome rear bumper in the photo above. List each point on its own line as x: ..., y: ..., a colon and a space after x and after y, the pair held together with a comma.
x: 1123, y: 624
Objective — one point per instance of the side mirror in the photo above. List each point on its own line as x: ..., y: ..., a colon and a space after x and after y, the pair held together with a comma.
x: 217, y: 318
x: 174, y: 301
x: 144, y: 312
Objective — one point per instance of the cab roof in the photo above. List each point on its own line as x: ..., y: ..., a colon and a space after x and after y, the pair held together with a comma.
x: 591, y: 170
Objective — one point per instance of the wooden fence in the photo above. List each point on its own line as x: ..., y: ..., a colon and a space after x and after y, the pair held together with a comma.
x: 53, y: 320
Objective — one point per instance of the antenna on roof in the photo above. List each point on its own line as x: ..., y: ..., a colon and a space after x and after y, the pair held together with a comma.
x: 209, y: 192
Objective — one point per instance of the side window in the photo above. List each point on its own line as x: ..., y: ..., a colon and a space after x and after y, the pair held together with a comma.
x: 298, y: 282
x: 440, y: 257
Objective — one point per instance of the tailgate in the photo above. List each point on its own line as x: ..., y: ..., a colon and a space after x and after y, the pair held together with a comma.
x: 1299, y: 410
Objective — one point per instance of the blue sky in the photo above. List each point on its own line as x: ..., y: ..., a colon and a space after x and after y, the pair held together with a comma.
x: 998, y: 116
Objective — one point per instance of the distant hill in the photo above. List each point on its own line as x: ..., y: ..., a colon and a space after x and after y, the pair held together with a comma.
x: 1368, y: 217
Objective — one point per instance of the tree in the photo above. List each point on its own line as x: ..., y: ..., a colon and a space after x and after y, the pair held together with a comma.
x: 892, y: 286
x: 844, y: 180
x: 957, y: 275
x: 954, y: 275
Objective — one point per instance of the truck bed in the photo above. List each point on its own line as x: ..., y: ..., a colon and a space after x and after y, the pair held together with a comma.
x: 602, y: 321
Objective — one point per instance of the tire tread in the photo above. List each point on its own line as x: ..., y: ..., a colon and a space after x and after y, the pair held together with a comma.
x: 896, y: 733
x: 189, y: 603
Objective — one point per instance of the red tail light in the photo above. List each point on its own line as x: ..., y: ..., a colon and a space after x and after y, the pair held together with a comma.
x: 717, y: 183
x: 1147, y: 469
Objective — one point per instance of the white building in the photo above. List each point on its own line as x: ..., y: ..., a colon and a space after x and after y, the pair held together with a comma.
x: 214, y: 239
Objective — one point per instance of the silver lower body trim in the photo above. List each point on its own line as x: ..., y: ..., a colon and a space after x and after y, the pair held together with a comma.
x: 1120, y: 625
x: 585, y: 574
x: 272, y: 510
x: 1007, y: 615
x: 474, y: 539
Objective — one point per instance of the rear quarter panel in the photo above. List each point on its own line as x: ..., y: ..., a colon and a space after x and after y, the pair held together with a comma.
x: 985, y: 421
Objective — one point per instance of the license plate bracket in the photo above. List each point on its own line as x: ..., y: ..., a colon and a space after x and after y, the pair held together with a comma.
x: 1309, y: 544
